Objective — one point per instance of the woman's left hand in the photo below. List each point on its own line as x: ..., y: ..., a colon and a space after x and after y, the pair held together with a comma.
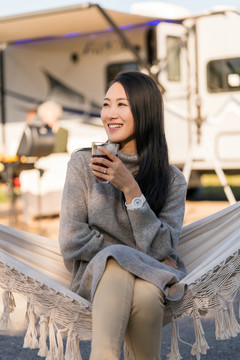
x: 170, y: 262
x: 115, y: 172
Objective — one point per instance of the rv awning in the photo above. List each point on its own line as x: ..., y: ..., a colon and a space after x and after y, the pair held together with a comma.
x: 64, y: 21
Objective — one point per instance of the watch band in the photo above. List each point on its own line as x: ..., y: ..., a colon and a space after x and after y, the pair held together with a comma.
x: 136, y: 203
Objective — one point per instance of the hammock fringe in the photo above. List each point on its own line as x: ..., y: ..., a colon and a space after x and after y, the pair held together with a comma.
x: 60, y: 345
x: 200, y: 346
x: 235, y: 326
x: 72, y: 347
x: 226, y: 324
x: 8, y: 307
x: 65, y: 314
x: 30, y: 340
x: 53, y: 349
x: 174, y: 354
x: 43, y: 348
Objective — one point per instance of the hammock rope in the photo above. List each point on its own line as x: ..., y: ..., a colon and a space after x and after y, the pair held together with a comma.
x: 209, y: 247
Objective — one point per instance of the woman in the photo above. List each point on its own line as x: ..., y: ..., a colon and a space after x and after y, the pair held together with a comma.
x: 119, y: 239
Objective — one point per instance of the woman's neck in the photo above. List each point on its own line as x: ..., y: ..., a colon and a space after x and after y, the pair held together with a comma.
x: 129, y: 147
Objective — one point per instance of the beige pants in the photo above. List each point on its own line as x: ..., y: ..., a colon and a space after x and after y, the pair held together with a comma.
x: 129, y: 308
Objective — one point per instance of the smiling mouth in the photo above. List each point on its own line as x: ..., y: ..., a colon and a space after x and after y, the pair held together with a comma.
x: 114, y: 126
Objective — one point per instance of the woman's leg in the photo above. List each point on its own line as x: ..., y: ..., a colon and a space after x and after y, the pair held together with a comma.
x: 111, y: 310
x: 144, y: 331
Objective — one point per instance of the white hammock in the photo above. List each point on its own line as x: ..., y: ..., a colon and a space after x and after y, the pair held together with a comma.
x: 32, y: 266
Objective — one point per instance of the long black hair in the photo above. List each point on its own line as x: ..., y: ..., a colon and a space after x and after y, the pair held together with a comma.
x: 146, y: 104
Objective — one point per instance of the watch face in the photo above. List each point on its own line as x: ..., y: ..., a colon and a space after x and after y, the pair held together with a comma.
x: 137, y: 202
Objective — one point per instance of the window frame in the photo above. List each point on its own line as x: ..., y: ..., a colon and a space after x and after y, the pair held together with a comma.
x: 224, y: 75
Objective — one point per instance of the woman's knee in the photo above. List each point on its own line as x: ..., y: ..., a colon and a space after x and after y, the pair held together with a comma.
x: 113, y: 268
x: 116, y: 276
x: 147, y: 298
x: 111, y: 262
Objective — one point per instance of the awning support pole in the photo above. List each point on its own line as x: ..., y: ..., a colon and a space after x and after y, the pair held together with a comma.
x: 129, y: 45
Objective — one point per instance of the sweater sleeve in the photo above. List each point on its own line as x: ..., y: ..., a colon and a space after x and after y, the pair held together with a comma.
x: 77, y: 240
x: 158, y: 236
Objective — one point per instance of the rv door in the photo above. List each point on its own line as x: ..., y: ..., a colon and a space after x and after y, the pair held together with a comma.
x: 173, y: 62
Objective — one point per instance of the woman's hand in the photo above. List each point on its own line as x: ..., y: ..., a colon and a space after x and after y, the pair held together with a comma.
x: 116, y: 173
x: 170, y: 262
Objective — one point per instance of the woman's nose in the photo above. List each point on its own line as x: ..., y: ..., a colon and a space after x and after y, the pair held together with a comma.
x: 112, y: 112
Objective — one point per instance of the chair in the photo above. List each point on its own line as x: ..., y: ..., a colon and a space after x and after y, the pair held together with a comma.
x: 41, y: 188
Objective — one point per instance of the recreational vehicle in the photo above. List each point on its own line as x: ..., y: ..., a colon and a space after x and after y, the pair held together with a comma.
x: 70, y: 55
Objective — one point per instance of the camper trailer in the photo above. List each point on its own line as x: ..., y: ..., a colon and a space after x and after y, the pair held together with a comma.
x: 195, y: 59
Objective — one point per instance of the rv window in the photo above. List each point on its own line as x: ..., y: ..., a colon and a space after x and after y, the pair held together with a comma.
x: 114, y: 69
x: 223, y: 75
x: 173, y: 58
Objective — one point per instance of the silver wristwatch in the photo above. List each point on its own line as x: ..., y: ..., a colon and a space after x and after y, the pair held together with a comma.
x: 136, y: 203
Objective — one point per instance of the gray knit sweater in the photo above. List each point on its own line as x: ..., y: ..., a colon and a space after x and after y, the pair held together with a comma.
x: 95, y: 225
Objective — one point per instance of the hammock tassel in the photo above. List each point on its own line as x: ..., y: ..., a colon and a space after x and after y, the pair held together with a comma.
x: 53, y: 350
x: 222, y: 323
x: 8, y: 307
x: 60, y: 345
x: 30, y: 340
x: 200, y: 346
x: 235, y: 326
x: 174, y: 354
x: 43, y: 349
x: 72, y: 347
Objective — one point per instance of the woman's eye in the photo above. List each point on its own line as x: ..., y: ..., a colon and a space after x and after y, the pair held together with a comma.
x: 122, y: 104
x: 105, y: 104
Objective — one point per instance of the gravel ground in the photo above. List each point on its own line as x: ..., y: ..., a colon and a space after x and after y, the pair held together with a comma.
x: 11, y: 345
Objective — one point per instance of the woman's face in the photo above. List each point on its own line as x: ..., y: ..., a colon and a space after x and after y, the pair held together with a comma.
x: 117, y: 118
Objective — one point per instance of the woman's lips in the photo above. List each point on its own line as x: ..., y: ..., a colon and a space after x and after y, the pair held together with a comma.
x: 114, y: 126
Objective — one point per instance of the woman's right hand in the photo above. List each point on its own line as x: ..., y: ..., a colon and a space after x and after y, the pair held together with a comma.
x: 116, y: 173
